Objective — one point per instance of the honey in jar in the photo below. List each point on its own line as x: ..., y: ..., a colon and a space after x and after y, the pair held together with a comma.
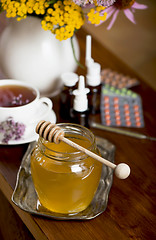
x: 66, y: 179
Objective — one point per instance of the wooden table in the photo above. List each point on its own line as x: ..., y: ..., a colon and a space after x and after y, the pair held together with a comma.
x: 130, y: 213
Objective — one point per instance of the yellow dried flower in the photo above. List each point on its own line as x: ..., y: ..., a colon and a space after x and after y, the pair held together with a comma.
x: 61, y: 17
x: 14, y: 8
x: 64, y: 19
x: 95, y: 16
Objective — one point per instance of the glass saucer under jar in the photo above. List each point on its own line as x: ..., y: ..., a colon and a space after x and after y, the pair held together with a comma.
x: 66, y: 179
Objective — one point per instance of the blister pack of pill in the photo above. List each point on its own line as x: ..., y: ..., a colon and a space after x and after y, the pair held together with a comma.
x: 117, y: 80
x: 121, y: 108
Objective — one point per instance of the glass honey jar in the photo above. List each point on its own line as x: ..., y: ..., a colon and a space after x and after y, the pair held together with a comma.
x: 66, y: 179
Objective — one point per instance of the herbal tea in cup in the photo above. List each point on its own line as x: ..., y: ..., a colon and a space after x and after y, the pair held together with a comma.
x: 15, y: 96
x: 20, y: 107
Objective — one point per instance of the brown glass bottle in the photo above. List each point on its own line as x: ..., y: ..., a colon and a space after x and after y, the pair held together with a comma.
x: 94, y: 98
x: 81, y: 118
x: 94, y: 84
x: 66, y: 96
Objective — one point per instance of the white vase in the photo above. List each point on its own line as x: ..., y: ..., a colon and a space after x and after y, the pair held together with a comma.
x: 31, y: 54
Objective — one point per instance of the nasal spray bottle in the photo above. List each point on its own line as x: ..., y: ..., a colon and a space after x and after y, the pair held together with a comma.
x: 93, y: 78
x: 80, y: 113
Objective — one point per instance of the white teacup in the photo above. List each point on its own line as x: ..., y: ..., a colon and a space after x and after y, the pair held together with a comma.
x: 30, y: 113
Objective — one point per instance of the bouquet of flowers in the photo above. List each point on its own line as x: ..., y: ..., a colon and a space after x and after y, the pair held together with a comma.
x: 64, y: 17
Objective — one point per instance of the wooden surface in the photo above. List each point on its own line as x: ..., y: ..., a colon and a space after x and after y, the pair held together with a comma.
x: 17, y: 229
x: 130, y: 213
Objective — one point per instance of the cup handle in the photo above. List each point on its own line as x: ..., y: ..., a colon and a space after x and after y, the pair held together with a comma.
x: 48, y: 102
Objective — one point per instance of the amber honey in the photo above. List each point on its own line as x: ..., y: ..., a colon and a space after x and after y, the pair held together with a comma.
x: 65, y: 180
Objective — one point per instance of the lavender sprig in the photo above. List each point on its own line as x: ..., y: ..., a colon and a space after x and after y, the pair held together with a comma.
x: 11, y: 130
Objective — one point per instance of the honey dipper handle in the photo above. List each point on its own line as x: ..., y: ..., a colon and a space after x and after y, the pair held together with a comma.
x: 89, y: 153
x: 122, y: 170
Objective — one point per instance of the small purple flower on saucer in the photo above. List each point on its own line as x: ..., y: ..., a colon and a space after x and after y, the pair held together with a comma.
x: 11, y: 130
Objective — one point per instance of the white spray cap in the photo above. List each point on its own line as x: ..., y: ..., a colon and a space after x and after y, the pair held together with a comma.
x: 88, y: 58
x: 94, y: 74
x: 80, y: 100
x: 69, y: 79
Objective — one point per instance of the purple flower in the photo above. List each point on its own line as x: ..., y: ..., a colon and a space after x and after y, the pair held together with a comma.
x: 19, y: 101
x: 104, y: 3
x: 127, y: 7
x: 11, y: 130
x: 82, y: 2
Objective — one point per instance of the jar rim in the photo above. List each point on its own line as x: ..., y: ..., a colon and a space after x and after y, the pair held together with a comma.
x: 77, y: 154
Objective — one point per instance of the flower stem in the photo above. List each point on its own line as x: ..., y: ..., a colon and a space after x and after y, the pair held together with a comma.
x: 1, y: 9
x: 78, y: 63
x: 51, y: 2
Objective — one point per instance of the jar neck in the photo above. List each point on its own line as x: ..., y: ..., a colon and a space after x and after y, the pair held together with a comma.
x: 74, y: 132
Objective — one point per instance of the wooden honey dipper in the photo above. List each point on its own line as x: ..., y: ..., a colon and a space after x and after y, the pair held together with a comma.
x: 53, y: 133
